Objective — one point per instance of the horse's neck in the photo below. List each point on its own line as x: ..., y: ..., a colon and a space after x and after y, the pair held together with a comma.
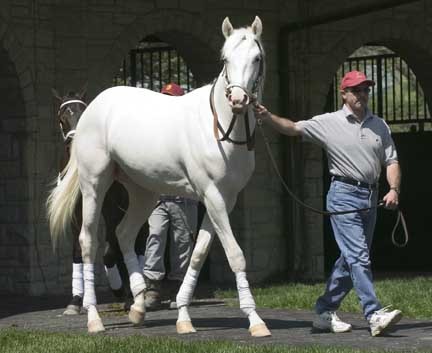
x: 225, y: 114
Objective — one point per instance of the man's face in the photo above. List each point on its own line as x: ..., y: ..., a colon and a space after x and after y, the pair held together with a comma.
x: 356, y: 97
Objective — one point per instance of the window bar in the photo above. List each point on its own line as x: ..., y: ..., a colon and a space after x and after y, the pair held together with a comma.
x: 417, y: 99
x: 124, y: 73
x: 133, y: 67
x: 188, y: 78
x: 169, y: 66
x: 178, y: 70
x: 151, y: 70
x: 401, y: 89
x: 409, y: 92
x: 379, y: 88
x: 386, y: 117
x: 142, y: 68
x: 335, y: 95
x: 373, y: 88
x: 394, y: 88
x: 160, y: 70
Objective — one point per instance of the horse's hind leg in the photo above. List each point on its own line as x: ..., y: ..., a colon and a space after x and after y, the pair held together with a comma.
x: 141, y: 202
x: 94, y: 183
x: 74, y: 307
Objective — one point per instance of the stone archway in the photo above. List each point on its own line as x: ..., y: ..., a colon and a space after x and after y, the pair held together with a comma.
x: 18, y: 198
x: 195, y: 42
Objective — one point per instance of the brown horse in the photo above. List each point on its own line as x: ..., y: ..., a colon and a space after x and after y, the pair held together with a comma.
x: 71, y: 106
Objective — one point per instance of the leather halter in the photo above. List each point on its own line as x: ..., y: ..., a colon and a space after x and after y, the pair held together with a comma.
x: 70, y: 134
x: 252, y: 97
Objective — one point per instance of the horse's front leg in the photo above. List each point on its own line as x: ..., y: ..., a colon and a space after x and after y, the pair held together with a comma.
x: 184, y: 296
x: 217, y: 209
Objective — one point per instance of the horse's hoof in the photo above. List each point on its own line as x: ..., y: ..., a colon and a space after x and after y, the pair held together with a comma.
x: 136, y: 316
x: 184, y: 327
x: 95, y: 326
x: 259, y: 330
x: 72, y: 310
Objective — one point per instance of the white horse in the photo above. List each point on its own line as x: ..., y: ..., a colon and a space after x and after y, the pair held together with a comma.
x: 157, y: 144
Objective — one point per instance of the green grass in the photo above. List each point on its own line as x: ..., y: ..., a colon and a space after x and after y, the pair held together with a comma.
x: 23, y: 341
x: 411, y: 295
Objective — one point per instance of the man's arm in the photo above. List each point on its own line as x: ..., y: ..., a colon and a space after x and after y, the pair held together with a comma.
x: 284, y: 126
x: 394, y: 176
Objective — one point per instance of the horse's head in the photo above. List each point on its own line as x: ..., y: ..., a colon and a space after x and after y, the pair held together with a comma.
x: 71, y: 106
x: 243, y: 58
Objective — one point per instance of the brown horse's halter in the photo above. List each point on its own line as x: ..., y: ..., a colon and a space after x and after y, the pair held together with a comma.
x: 71, y: 133
x: 252, y: 97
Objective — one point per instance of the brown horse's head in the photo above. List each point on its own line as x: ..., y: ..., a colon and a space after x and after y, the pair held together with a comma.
x: 70, y: 108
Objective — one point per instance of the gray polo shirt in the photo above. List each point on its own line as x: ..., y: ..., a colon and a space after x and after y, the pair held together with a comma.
x: 355, y: 150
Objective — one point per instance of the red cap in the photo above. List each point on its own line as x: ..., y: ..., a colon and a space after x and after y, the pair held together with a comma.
x: 172, y: 89
x: 354, y: 78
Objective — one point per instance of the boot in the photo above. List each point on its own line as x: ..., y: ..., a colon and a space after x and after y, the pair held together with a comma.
x: 152, y: 297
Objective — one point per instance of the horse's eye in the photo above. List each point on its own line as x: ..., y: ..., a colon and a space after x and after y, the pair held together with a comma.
x: 225, y: 60
x: 257, y: 59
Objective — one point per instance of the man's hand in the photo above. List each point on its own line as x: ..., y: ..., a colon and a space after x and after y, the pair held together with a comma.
x: 261, y: 112
x: 391, y: 200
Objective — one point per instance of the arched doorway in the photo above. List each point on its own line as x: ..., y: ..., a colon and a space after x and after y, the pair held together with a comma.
x: 15, y: 242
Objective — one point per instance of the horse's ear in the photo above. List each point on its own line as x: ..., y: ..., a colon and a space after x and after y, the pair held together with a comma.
x: 257, y: 26
x: 56, y: 95
x: 83, y: 91
x: 227, y: 27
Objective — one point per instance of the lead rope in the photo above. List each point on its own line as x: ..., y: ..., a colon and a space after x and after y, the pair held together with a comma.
x: 381, y: 203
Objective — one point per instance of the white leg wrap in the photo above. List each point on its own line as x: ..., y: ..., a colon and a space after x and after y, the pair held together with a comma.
x: 183, y: 314
x: 114, y: 278
x: 247, y: 302
x: 187, y: 288
x: 77, y: 280
x: 254, y: 319
x: 136, y: 278
x: 89, y: 288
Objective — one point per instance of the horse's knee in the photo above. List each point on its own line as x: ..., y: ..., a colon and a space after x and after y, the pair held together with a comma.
x: 198, y: 258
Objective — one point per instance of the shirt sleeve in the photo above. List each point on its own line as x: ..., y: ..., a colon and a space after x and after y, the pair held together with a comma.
x: 390, y: 153
x: 315, y: 130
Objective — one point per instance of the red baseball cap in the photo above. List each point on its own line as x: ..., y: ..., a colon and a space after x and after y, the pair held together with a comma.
x: 172, y: 89
x: 355, y: 78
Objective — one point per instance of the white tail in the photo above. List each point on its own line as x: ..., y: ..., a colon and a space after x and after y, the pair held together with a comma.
x: 62, y: 200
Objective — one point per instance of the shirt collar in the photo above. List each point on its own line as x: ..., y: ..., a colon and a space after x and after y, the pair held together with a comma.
x: 349, y: 114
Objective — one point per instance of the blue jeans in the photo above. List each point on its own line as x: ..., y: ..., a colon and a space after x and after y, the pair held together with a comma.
x: 353, y: 233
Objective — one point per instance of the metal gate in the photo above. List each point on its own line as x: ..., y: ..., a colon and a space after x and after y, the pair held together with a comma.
x: 397, y: 96
x: 152, y: 65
